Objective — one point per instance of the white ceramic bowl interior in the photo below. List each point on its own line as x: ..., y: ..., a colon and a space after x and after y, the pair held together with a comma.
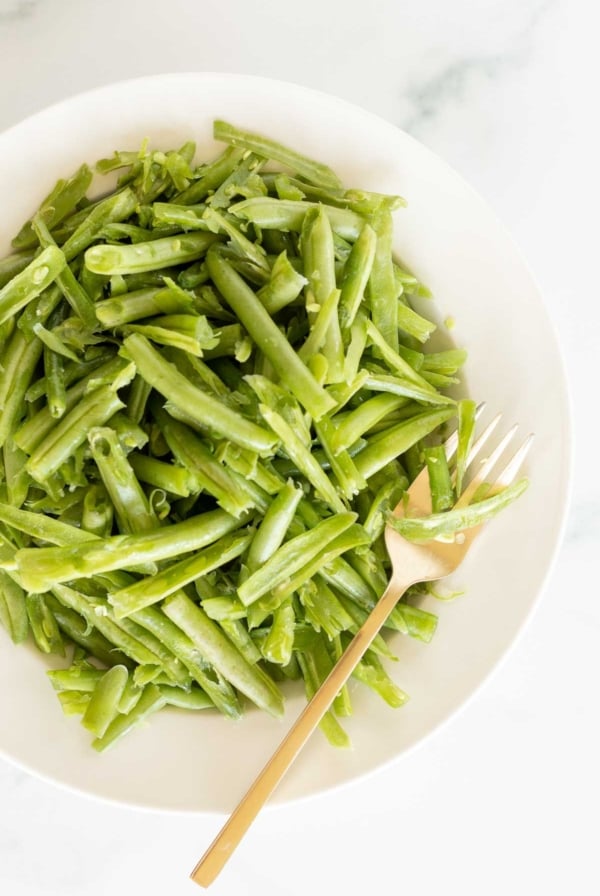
x: 452, y: 240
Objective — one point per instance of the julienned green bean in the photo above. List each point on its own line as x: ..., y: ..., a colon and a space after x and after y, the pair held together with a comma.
x: 259, y: 479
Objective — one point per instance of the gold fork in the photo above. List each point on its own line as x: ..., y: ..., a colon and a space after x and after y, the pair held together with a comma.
x: 411, y: 563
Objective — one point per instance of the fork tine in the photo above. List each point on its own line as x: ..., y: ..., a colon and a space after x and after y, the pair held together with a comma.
x: 451, y: 443
x: 482, y: 440
x: 514, y: 465
x: 487, y: 465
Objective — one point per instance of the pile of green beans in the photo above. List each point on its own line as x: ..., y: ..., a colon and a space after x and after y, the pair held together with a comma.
x: 213, y: 389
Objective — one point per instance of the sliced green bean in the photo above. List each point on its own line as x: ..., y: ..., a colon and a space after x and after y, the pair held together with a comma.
x: 287, y: 215
x: 39, y: 274
x: 207, y: 411
x: 94, y: 409
x: 452, y: 521
x: 142, y: 257
x: 151, y: 701
x: 293, y: 555
x: 60, y: 202
x: 267, y: 336
x: 42, y: 568
x: 150, y: 590
x: 219, y: 651
x: 104, y: 703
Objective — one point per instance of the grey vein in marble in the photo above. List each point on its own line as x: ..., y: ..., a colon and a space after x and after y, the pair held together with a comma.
x: 430, y: 97
x: 17, y: 10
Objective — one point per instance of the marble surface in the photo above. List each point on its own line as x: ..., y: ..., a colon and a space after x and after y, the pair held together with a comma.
x: 504, y: 798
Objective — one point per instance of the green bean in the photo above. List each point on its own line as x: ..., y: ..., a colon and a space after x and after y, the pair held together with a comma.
x: 398, y: 439
x: 357, y: 272
x: 193, y: 699
x: 14, y: 264
x: 211, y: 177
x: 142, y: 257
x: 274, y: 526
x: 72, y: 290
x: 219, y: 690
x: 350, y: 481
x: 115, y: 633
x: 315, y: 172
x: 33, y: 432
x: 265, y: 333
x: 87, y: 636
x: 279, y: 643
x: 97, y: 512
x: 139, y: 393
x: 230, y: 490
x: 170, y: 477
x: 440, y: 482
x: 104, y: 702
x: 316, y: 664
x: 382, y: 290
x: 353, y: 537
x: 115, y: 208
x: 414, y: 324
x: 218, y: 223
x: 278, y: 214
x: 283, y: 287
x: 322, y: 608
x: 172, y: 578
x: 18, y: 479
x: 44, y: 627
x: 358, y: 421
x: 20, y: 360
x: 42, y: 568
x: 126, y: 494
x: 141, y: 303
x: 304, y: 460
x: 151, y: 701
x: 54, y: 368
x: 219, y: 651
x: 77, y: 678
x: 466, y: 430
x: 206, y: 411
x: 188, y: 332
x: 56, y: 206
x: 39, y: 274
x: 13, y: 609
x: 452, y: 521
x: 94, y: 409
x: 244, y: 180
x: 183, y: 217
x: 292, y: 556
x: 405, y: 388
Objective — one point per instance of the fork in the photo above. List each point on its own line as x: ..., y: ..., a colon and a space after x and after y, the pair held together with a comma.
x: 411, y: 563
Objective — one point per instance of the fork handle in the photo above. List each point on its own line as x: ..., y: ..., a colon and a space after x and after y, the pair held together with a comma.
x: 230, y: 835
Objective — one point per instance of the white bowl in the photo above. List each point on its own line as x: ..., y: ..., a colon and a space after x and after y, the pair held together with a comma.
x: 452, y: 240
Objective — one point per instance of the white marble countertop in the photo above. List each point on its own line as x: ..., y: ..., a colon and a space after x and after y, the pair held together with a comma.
x: 503, y: 799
